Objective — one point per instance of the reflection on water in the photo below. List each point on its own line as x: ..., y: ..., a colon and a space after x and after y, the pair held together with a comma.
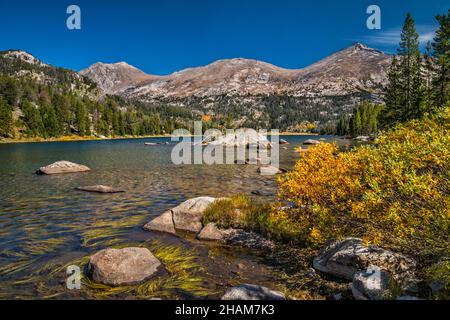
x: 44, y: 220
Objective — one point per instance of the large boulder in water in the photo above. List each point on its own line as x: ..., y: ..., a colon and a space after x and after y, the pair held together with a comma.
x: 189, y: 214
x: 186, y: 217
x: 162, y: 223
x: 252, y: 292
x: 62, y: 167
x: 311, y: 142
x: 240, y: 138
x: 99, y: 189
x: 123, y: 266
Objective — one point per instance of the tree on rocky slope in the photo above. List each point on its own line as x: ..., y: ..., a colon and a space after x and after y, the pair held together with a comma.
x: 441, y: 52
x: 5, y: 119
x: 404, y: 94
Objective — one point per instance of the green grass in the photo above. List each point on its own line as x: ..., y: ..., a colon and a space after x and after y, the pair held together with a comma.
x: 238, y: 212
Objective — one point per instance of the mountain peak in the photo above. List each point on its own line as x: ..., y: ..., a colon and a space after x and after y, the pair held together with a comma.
x: 113, y: 77
x: 341, y: 73
x: 22, y: 55
x: 358, y: 46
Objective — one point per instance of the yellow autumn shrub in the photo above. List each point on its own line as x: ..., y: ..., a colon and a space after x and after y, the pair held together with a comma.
x: 395, y: 191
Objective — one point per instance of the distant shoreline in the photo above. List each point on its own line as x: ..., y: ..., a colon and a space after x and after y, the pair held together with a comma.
x: 89, y: 138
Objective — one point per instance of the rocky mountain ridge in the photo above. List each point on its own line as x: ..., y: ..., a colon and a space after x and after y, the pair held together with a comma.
x: 357, y: 68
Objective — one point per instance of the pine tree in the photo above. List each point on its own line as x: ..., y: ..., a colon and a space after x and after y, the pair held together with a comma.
x: 393, y: 95
x: 441, y: 52
x: 50, y: 120
x: 80, y: 115
x: 405, y: 92
x: 410, y: 69
x: 32, y: 120
x: 428, y: 78
x: 356, y: 123
x: 5, y: 119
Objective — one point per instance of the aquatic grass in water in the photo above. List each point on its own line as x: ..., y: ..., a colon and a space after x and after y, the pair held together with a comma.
x: 183, y: 279
x: 100, y: 231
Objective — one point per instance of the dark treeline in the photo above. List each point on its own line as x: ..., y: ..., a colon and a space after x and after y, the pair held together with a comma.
x: 54, y: 110
x: 364, y: 120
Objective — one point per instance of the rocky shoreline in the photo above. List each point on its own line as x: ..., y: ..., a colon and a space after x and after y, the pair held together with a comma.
x: 352, y: 269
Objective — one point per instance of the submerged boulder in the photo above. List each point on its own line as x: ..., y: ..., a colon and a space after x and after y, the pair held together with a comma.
x: 62, y: 167
x: 252, y: 292
x: 347, y: 257
x: 100, y: 189
x: 125, y: 266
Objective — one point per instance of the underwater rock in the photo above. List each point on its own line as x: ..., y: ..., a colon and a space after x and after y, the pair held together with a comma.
x: 125, y: 266
x: 100, y: 189
x: 62, y: 167
x: 252, y: 292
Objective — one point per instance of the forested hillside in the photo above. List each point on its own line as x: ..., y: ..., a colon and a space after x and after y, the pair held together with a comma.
x: 38, y: 100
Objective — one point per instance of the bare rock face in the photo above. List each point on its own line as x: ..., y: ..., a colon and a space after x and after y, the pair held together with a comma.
x: 62, y: 167
x: 353, y: 69
x: 188, y: 215
x: 114, y: 77
x: 162, y: 223
x: 347, y: 257
x: 123, y: 266
x: 99, y: 189
x: 252, y: 292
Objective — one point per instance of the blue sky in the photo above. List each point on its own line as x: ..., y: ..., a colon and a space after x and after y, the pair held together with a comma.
x: 164, y: 36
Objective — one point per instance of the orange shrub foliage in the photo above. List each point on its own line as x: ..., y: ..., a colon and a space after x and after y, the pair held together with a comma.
x: 395, y: 191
